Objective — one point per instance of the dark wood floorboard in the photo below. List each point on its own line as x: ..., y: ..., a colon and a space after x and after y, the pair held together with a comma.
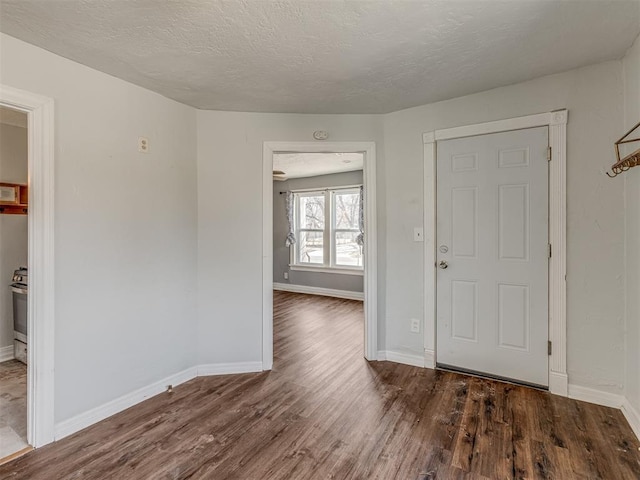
x: 323, y: 412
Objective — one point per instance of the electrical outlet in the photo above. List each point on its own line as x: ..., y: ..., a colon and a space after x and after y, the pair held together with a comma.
x: 415, y: 325
x: 143, y: 144
x: 286, y: 275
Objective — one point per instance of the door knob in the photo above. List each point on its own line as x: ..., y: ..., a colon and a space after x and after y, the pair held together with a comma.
x: 443, y: 264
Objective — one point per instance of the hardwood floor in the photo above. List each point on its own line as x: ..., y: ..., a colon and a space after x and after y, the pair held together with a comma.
x: 325, y: 413
x: 13, y: 407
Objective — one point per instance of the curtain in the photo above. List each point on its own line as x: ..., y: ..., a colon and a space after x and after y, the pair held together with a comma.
x: 291, y: 238
x: 360, y: 237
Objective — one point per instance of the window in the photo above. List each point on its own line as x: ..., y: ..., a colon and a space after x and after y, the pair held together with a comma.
x: 326, y: 227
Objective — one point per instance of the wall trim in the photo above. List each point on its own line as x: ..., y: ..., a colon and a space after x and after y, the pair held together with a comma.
x: 90, y: 417
x: 401, y: 357
x: 331, y: 270
x: 606, y: 399
x: 95, y: 415
x: 370, y: 235
x: 556, y: 121
x: 591, y: 395
x: 6, y: 353
x: 559, y: 383
x: 228, y: 368
x: 41, y: 301
x: 632, y: 416
x: 429, y: 359
x: 325, y: 292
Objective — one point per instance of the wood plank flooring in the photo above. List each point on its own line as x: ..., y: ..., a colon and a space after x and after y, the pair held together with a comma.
x: 13, y: 407
x: 325, y: 413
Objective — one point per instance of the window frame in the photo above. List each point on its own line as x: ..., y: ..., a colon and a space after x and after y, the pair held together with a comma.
x: 329, y: 264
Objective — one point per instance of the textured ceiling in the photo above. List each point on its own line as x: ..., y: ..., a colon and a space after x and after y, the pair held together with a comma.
x: 297, y: 165
x: 370, y: 56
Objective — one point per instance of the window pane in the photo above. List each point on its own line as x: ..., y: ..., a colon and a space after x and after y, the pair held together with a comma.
x: 347, y: 205
x: 310, y: 249
x: 348, y: 252
x: 312, y: 212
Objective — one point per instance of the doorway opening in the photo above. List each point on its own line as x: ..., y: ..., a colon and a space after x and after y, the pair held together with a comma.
x: 36, y: 196
x: 14, y: 249
x: 319, y: 228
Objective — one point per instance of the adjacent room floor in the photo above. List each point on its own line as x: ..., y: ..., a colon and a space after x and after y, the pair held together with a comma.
x: 13, y: 407
x: 324, y: 412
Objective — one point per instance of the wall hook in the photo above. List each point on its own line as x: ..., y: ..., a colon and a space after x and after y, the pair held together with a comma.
x: 631, y: 160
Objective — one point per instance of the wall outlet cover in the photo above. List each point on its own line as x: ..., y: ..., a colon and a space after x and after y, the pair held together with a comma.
x: 143, y: 145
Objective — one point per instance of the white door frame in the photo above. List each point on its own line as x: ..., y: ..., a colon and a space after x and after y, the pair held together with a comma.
x: 40, y: 321
x: 370, y: 251
x: 557, y: 123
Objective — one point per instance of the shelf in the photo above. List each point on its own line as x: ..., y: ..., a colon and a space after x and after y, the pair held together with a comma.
x: 15, y: 199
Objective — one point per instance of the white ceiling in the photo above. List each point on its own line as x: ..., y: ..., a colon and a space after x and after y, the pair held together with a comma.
x: 370, y: 56
x: 297, y: 165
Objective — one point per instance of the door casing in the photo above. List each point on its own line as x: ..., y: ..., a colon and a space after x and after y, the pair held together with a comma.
x: 41, y: 311
x: 557, y: 123
x: 370, y: 235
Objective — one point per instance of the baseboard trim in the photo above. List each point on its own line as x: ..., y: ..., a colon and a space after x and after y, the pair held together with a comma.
x: 229, y: 368
x: 324, y: 292
x: 6, y: 353
x: 86, y: 419
x: 430, y: 359
x: 83, y: 420
x: 586, y: 394
x: 559, y: 384
x: 632, y: 416
x: 399, y: 357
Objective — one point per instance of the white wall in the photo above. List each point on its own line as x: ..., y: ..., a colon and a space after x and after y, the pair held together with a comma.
x: 230, y: 153
x: 125, y: 228
x: 595, y: 265
x: 631, y: 179
x: 13, y: 228
x: 281, y: 253
x: 230, y: 219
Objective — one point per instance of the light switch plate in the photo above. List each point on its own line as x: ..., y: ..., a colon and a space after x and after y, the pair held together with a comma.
x: 418, y: 234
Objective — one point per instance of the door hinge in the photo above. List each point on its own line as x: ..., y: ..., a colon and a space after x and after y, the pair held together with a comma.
x: 548, y: 154
x: 549, y: 347
x: 549, y: 250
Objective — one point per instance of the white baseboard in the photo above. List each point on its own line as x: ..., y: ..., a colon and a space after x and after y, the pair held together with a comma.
x: 586, y: 394
x: 430, y: 358
x: 559, y: 383
x: 404, y: 358
x: 77, y: 423
x: 229, y: 368
x: 6, y: 353
x: 632, y: 416
x: 325, y: 292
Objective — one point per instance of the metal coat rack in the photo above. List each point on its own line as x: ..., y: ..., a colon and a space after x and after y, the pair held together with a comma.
x: 631, y: 160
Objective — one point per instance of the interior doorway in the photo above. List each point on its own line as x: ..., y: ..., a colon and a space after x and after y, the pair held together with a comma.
x: 14, y: 249
x: 317, y: 190
x: 40, y: 260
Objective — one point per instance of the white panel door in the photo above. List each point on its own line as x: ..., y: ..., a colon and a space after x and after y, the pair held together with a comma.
x: 492, y: 254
